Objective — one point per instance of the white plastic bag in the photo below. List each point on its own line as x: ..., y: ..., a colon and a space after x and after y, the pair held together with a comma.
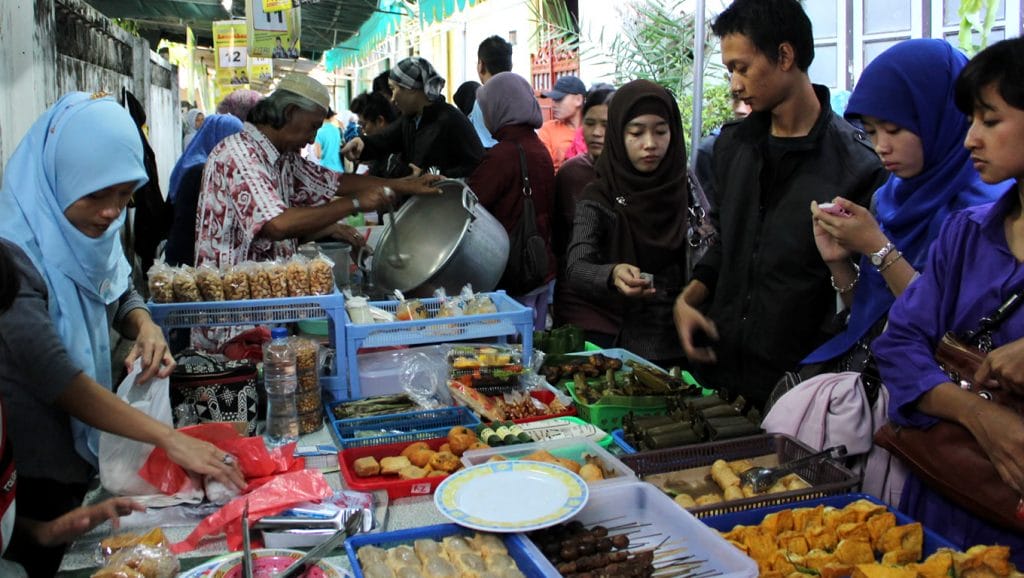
x: 121, y: 458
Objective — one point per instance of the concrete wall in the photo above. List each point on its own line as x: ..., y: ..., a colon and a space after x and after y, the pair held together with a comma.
x: 50, y: 47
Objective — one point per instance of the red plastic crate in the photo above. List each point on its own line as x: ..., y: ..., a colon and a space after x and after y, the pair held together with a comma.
x: 396, y: 488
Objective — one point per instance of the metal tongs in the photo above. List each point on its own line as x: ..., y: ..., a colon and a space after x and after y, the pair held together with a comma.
x: 761, y: 478
x: 246, y: 545
x: 352, y: 527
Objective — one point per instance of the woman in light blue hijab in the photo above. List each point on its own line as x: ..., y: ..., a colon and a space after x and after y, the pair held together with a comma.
x: 61, y: 212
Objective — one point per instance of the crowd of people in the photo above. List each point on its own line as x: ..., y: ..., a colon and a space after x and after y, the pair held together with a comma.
x: 847, y: 247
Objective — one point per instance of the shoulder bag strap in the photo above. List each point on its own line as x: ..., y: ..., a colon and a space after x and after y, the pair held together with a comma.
x: 988, y: 324
x: 527, y: 191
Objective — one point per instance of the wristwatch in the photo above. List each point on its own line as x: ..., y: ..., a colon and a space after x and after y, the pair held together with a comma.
x: 878, y: 257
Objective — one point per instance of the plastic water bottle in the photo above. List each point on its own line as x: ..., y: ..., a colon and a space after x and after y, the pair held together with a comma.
x: 280, y: 377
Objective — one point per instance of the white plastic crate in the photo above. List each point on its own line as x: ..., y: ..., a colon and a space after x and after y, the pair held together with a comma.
x: 569, y: 448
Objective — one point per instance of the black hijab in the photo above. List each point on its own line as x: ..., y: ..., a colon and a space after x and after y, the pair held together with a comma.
x: 651, y: 228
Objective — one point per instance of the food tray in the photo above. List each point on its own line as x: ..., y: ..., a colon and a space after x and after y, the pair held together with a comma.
x: 403, y: 427
x: 569, y: 448
x: 519, y: 548
x: 546, y: 397
x: 726, y: 522
x: 395, y: 487
x: 512, y: 318
x: 643, y: 503
x: 247, y: 311
x: 607, y: 413
x: 826, y: 477
x: 619, y: 437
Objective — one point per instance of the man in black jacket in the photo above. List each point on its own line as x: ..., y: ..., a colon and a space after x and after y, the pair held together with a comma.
x: 758, y: 300
x: 431, y: 132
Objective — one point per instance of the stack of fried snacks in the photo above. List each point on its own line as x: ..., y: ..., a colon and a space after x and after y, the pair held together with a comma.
x: 832, y: 543
x: 726, y: 476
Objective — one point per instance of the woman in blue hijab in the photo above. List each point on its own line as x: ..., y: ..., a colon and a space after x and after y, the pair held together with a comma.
x: 186, y: 180
x: 61, y: 212
x: 904, y: 99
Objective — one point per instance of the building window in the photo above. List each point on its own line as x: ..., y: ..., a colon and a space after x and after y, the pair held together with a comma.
x: 886, y: 16
x: 512, y: 37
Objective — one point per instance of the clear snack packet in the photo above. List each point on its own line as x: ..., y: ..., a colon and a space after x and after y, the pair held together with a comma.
x: 449, y: 306
x: 185, y: 288
x: 210, y: 285
x: 236, y: 283
x: 321, y: 275
x: 277, y: 272
x: 259, y: 281
x: 409, y: 310
x: 161, y: 283
x: 298, y: 276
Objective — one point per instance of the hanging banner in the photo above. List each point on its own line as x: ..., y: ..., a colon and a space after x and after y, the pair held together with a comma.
x: 261, y: 70
x: 232, y: 53
x: 276, y: 5
x: 272, y: 34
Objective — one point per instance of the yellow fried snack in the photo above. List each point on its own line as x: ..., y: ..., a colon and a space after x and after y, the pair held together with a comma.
x: 733, y: 493
x: 854, y: 531
x: 833, y: 517
x: 778, y: 522
x: 865, y: 509
x: 708, y: 499
x: 938, y: 565
x: 821, y: 538
x: 794, y: 542
x: 740, y: 466
x: 984, y: 561
x: 782, y: 561
x: 818, y: 559
x: 878, y: 526
x: 853, y: 552
x: 804, y: 518
x: 835, y: 570
x: 761, y: 546
x: 685, y: 500
x: 723, y: 475
x: 908, y: 540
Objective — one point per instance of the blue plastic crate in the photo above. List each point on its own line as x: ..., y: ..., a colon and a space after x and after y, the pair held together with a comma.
x: 726, y: 522
x: 512, y: 318
x: 619, y: 437
x: 524, y: 557
x: 400, y: 427
x: 247, y: 311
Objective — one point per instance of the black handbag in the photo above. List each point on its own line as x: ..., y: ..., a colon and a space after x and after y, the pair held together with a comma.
x: 205, y: 388
x: 527, y: 265
x: 700, y: 232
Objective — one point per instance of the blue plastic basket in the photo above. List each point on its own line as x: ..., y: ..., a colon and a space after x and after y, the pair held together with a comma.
x: 400, y: 427
x: 619, y: 437
x: 726, y: 522
x: 517, y: 550
x: 512, y: 318
x: 248, y: 311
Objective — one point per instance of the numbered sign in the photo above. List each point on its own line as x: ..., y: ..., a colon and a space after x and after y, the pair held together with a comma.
x: 269, y: 21
x: 233, y: 57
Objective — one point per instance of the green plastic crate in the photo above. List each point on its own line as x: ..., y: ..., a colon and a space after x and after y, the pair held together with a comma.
x: 607, y: 414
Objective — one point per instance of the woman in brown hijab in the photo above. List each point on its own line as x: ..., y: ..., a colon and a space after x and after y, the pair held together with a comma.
x: 628, y: 247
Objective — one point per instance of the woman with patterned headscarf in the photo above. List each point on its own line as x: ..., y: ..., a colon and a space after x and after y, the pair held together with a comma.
x: 430, y: 134
x: 628, y: 246
x: 61, y: 212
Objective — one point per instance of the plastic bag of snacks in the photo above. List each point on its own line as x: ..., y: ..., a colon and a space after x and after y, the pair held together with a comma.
x: 307, y: 354
x: 210, y: 285
x: 259, y: 280
x: 449, y: 306
x: 298, y: 276
x: 131, y: 555
x: 477, y: 303
x: 161, y: 283
x: 409, y: 310
x: 321, y: 275
x: 277, y: 273
x: 185, y: 288
x: 236, y: 283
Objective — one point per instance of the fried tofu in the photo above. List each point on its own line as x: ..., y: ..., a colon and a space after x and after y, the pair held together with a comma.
x: 795, y: 542
x: 778, y: 522
x: 818, y: 559
x: 854, y: 531
x: 852, y: 552
x: 821, y: 538
x: 878, y: 525
x: 938, y: 565
x: 881, y: 571
x: 804, y: 518
x: 836, y: 570
x: 908, y: 540
x: 984, y: 561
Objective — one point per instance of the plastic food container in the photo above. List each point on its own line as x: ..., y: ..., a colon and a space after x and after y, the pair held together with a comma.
x: 400, y: 427
x: 521, y: 550
x: 641, y: 503
x: 826, y: 477
x: 572, y: 449
x: 395, y: 487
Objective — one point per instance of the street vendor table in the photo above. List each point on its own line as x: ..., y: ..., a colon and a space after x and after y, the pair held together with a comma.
x: 80, y: 559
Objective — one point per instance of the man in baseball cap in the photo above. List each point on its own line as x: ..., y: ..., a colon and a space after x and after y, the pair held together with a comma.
x: 557, y: 134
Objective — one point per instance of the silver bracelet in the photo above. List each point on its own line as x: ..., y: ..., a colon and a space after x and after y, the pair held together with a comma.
x: 848, y: 288
x: 355, y: 203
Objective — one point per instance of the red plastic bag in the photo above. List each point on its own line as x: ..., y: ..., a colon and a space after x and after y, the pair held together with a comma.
x: 248, y: 345
x: 280, y: 493
x: 254, y: 459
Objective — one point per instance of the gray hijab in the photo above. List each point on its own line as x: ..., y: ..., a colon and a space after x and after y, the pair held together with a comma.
x: 508, y: 99
x: 417, y: 73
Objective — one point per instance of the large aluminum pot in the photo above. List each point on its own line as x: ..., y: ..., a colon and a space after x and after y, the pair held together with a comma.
x: 446, y: 240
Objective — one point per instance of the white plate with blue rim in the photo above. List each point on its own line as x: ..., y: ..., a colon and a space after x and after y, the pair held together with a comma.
x: 511, y: 496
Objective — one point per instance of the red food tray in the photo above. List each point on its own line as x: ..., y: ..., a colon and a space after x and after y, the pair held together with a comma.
x: 396, y: 487
x: 546, y: 397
